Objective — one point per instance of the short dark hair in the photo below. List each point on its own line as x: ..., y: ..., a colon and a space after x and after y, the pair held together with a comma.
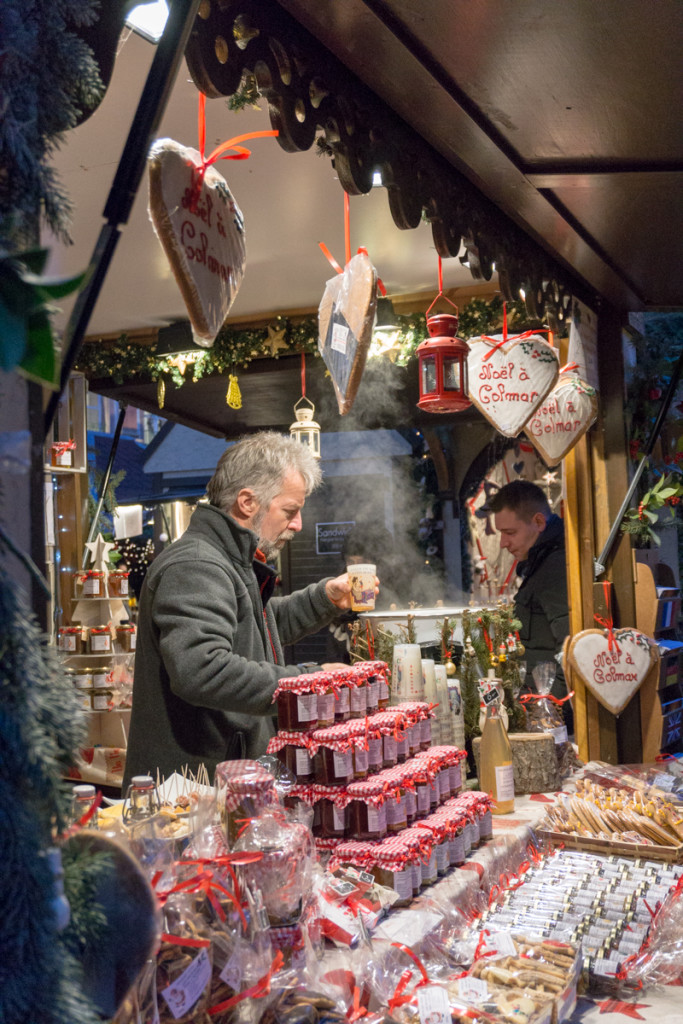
x: 521, y: 497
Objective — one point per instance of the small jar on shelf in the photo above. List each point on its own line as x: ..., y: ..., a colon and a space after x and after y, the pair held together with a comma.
x: 81, y: 678
x: 117, y: 583
x: 71, y: 640
x: 126, y: 636
x: 89, y: 583
x: 99, y: 640
x: 102, y: 698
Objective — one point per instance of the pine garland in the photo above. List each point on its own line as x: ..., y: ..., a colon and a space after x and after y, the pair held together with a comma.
x: 122, y: 360
x: 48, y: 76
x: 41, y: 725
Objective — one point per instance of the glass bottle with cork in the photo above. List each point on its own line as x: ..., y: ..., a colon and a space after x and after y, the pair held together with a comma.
x: 496, y: 774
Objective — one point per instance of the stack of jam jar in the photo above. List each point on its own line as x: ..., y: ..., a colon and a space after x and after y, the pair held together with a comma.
x: 370, y: 774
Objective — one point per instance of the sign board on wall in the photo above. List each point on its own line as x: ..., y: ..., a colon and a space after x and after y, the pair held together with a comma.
x: 329, y: 537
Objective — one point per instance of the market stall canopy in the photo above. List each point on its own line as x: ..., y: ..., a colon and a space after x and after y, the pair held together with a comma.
x: 550, y: 135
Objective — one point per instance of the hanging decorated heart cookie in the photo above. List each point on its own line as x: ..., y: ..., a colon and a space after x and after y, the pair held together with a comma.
x: 510, y: 377
x: 562, y: 419
x: 345, y: 319
x: 201, y: 230
x: 613, y: 663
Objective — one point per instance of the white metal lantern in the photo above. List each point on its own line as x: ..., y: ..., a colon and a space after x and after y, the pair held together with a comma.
x: 305, y: 430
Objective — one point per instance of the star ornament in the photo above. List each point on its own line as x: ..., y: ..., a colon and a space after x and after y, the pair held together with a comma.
x: 627, y: 1009
x: 276, y: 337
x: 99, y: 552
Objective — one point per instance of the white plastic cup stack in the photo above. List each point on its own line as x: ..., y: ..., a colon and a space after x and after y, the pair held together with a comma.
x: 431, y: 696
x: 406, y: 679
x: 444, y: 709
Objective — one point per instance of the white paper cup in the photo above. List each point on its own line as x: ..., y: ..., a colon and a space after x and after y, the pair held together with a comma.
x: 406, y: 681
x: 362, y: 580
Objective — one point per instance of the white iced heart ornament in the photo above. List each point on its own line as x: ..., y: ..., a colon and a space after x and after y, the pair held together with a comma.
x: 201, y: 230
x: 508, y: 380
x: 612, y: 664
x: 562, y: 419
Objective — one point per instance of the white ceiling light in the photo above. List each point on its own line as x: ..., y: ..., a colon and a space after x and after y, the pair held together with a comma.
x: 149, y: 20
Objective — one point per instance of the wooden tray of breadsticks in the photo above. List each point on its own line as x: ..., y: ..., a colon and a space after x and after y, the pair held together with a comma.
x: 616, y: 821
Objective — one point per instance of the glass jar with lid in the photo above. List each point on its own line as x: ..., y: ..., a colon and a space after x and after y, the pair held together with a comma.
x: 297, y: 704
x: 83, y: 796
x: 141, y: 801
x: 81, y: 678
x: 326, y: 704
x: 102, y: 698
x: 396, y: 804
x: 70, y: 639
x: 126, y: 637
x: 294, y: 751
x: 367, y: 809
x: 393, y: 868
x: 89, y: 583
x: 334, y: 760
x: 244, y: 789
x: 99, y: 640
x: 117, y: 583
x: 375, y: 757
x: 333, y: 804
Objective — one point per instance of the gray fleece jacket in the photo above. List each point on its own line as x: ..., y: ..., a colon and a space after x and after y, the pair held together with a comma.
x: 209, y: 651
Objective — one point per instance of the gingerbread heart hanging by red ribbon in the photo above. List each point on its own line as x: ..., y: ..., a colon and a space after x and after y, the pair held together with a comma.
x: 201, y: 230
x: 509, y: 377
x: 613, y: 663
x: 565, y: 415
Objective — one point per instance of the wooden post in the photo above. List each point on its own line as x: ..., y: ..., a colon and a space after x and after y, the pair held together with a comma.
x: 620, y: 738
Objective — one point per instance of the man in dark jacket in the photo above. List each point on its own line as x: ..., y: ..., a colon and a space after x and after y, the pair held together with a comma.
x: 210, y: 635
x: 535, y: 538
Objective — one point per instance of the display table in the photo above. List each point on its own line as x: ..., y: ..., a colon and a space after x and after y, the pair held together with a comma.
x: 511, y: 834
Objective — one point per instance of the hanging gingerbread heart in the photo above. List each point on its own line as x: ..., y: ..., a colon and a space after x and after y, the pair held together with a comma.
x: 509, y: 377
x: 613, y: 663
x: 201, y: 230
x: 345, y: 319
x: 568, y: 411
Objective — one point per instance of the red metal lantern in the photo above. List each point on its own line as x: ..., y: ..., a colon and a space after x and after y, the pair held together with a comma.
x: 443, y: 366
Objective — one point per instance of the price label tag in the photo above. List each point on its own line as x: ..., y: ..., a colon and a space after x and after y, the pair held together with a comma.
x: 432, y: 1005
x: 473, y: 990
x: 501, y: 943
x: 232, y: 973
x: 183, y: 993
x: 663, y: 781
x: 491, y: 697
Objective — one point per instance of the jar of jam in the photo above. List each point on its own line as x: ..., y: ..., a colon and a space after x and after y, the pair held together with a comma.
x: 89, y: 583
x: 374, y: 752
x: 457, y: 844
x: 100, y: 676
x: 326, y: 712
x: 332, y: 804
x: 367, y: 810
x: 298, y: 759
x: 297, y: 705
x: 342, y: 704
x: 82, y: 681
x: 403, y: 747
x: 486, y: 825
x: 359, y: 699
x: 117, y: 583
x: 333, y: 767
x: 372, y: 694
x: 126, y: 637
x: 393, y: 869
x: 244, y: 789
x: 396, y: 805
x: 414, y: 738
x: 99, y: 640
x: 70, y: 639
x: 360, y: 761
x: 389, y: 751
x: 425, y: 733
x: 62, y: 454
x: 102, y: 698
x: 439, y: 831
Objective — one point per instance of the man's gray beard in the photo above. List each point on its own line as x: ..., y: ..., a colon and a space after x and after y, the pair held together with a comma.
x: 271, y: 549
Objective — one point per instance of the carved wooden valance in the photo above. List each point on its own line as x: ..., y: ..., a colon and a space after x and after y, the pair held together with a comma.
x: 312, y: 95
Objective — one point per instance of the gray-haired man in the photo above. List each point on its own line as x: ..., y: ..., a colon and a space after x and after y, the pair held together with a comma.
x: 210, y: 635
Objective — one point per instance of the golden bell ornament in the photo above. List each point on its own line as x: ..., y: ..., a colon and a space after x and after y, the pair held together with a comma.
x: 520, y: 650
x: 450, y: 667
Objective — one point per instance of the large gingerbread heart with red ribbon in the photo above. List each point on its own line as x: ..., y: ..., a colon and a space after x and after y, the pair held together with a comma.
x: 201, y: 230
x: 562, y: 418
x: 613, y: 663
x: 508, y: 379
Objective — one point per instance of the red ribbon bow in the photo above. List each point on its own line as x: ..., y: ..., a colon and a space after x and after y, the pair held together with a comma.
x: 220, y: 152
x: 496, y: 344
x: 608, y: 623
x: 257, y: 991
